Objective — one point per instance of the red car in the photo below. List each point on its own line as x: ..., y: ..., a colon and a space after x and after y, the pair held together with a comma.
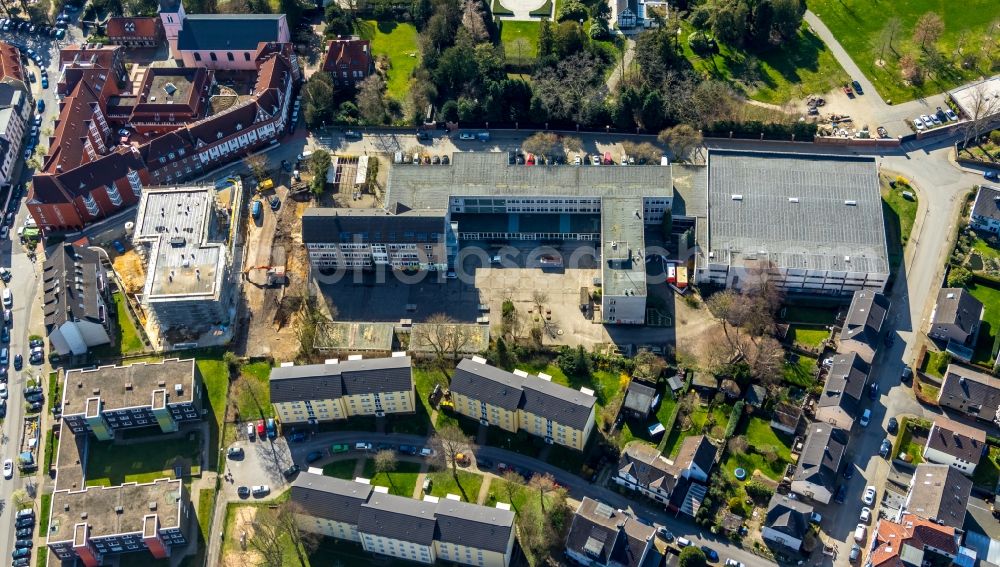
x: 531, y: 159
x: 260, y: 428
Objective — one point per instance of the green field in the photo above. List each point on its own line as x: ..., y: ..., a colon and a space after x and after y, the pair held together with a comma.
x: 206, y: 506
x: 467, y: 485
x: 397, y: 42
x: 109, y: 464
x: 900, y: 214
x: 858, y: 25
x: 124, y: 335
x: 341, y: 469
x: 253, y: 400
x: 990, y: 326
x: 796, y: 69
x: 400, y: 482
x: 761, y: 438
x: 906, y: 444
x: 935, y: 363
x: 802, y: 373
x: 512, y: 31
x: 809, y: 337
x: 699, y: 418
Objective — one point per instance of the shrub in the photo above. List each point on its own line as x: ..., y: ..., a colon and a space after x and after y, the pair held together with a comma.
x: 759, y: 491
x: 699, y: 43
x: 734, y: 418
x: 995, y: 137
x: 737, y: 506
x: 571, y: 10
x: 959, y: 276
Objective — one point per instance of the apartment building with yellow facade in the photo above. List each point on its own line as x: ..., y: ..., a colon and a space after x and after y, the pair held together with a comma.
x: 424, y: 531
x: 339, y: 389
x: 516, y: 401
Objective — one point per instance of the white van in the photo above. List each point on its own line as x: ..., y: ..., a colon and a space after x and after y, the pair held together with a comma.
x: 860, y: 532
x: 683, y: 542
x: 398, y: 158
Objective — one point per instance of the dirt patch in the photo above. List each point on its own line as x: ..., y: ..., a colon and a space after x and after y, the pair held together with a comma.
x: 234, y: 554
x: 696, y: 328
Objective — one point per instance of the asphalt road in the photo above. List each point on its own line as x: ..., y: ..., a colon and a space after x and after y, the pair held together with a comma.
x: 264, y: 461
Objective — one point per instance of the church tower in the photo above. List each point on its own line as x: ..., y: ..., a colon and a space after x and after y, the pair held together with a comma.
x: 172, y: 15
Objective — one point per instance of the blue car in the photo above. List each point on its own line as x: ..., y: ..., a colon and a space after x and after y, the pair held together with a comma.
x: 41, y: 105
x: 314, y: 456
x: 119, y: 247
x: 710, y: 553
x: 873, y: 391
x: 992, y: 175
x: 22, y: 552
x: 45, y: 82
x: 298, y: 436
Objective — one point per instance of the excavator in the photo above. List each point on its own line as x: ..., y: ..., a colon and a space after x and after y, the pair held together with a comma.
x: 275, y: 274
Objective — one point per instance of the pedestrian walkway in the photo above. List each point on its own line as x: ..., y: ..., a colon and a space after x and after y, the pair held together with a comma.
x: 842, y: 57
x: 484, y: 490
x: 359, y: 467
x: 419, y: 486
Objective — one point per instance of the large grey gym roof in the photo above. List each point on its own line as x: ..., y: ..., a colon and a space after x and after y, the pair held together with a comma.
x: 488, y: 173
x: 820, y: 212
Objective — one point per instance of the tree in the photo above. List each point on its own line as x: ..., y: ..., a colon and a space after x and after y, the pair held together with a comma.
x: 928, y: 29
x: 512, y: 483
x: 571, y: 10
x: 648, y: 366
x: 257, y: 164
x: 889, y: 30
x: 371, y: 100
x: 545, y: 42
x: 692, y: 556
x: 644, y: 151
x: 667, y: 226
x: 787, y: 17
x: 911, y: 70
x: 574, y: 362
x: 681, y: 139
x: 318, y: 94
x: 545, y: 144
x: 543, y: 483
x: 539, y: 298
x: 385, y: 462
x: 451, y: 441
x: 271, y: 527
x: 443, y: 335
x: 473, y: 21
x: 338, y: 20
x: 959, y: 276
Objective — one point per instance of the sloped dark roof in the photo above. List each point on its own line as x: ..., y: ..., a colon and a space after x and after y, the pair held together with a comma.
x: 349, y: 377
x: 865, y: 317
x: 698, y: 450
x: 987, y: 203
x: 964, y: 386
x: 330, y: 225
x: 639, y: 397
x: 939, y: 492
x: 481, y: 527
x: 398, y: 517
x: 821, y: 455
x: 957, y: 439
x: 330, y: 498
x: 607, y: 535
x: 219, y: 32
x: 790, y: 517
x: 645, y: 463
x: 845, y: 384
x: 507, y: 390
x: 956, y: 306
x: 70, y: 279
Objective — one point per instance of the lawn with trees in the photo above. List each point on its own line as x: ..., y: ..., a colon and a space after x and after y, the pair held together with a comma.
x: 916, y: 48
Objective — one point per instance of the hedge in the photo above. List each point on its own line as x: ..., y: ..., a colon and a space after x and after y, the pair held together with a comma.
x: 802, y: 131
x: 545, y: 11
x: 500, y: 10
x: 734, y: 419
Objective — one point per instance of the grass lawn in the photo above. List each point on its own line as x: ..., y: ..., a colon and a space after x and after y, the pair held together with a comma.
x: 215, y: 375
x: 985, y: 250
x: 512, y: 31
x: 990, y: 326
x: 253, y: 401
x: 802, y: 373
x: 987, y: 473
x: 398, y: 42
x: 125, y: 336
x: 206, y: 505
x: 936, y: 363
x: 467, y: 486
x: 906, y: 444
x: 400, y: 481
x: 424, y: 379
x: 809, y: 315
x: 109, y: 464
x: 699, y: 419
x: 809, y: 337
x: 857, y: 24
x: 799, y: 67
x: 632, y: 429
x: 900, y: 213
x: 760, y: 436
x: 606, y: 385
x: 341, y: 469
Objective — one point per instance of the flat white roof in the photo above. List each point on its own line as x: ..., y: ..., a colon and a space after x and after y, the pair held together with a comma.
x: 967, y: 97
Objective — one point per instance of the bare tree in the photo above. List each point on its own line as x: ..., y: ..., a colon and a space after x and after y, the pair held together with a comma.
x: 473, y: 21
x: 268, y: 537
x: 385, y: 461
x: 545, y: 144
x: 648, y: 366
x: 644, y: 151
x: 371, y: 99
x: 681, y: 139
x: 980, y: 108
x: 257, y: 164
x: 539, y: 298
x: 888, y: 33
x: 911, y: 70
x: 451, y: 441
x: 543, y: 483
x: 444, y: 335
x: 304, y: 541
x: 572, y: 143
x: 512, y: 483
x: 928, y: 29
x: 517, y: 49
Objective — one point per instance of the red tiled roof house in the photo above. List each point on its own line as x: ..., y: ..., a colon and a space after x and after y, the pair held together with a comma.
x: 135, y: 32
x: 348, y: 60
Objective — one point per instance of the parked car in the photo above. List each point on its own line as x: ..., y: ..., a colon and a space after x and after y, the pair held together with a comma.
x: 906, y: 375
x: 893, y: 426
x: 848, y: 470
x: 5, y: 275
x: 663, y: 532
x: 734, y: 563
x: 869, y: 495
x: 18, y: 361
x: 466, y: 136
x: 275, y: 202
x: 408, y: 449
x: 297, y: 436
x: 873, y: 391
x: 8, y: 469
x: 710, y: 553
x: 841, y: 494
x: 19, y: 553
x: 362, y: 446
x: 339, y: 448
x: 290, y: 472
x: 260, y: 428
x: 885, y: 448
x: 314, y: 456
x: 992, y: 175
x: 23, y: 533
x: 857, y: 87
x: 24, y: 544
x: 234, y: 453
x: 352, y: 134
x: 260, y: 491
x: 860, y: 532
x: 243, y: 492
x: 951, y: 114
x: 866, y: 418
x: 272, y: 428
x: 866, y: 515
x: 855, y: 552
x: 918, y: 123
x: 683, y: 542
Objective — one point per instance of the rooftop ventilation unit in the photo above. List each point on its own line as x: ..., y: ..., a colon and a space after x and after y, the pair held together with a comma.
x: 850, y: 203
x: 737, y: 197
x: 793, y: 199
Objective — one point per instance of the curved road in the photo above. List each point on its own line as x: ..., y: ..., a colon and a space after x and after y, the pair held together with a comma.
x: 265, y: 460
